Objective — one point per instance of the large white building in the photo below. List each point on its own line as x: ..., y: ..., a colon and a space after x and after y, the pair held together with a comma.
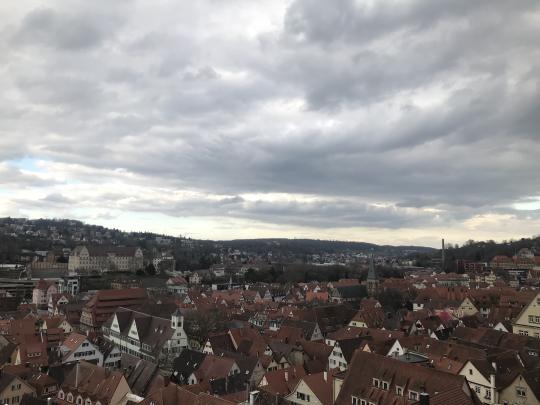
x: 104, y: 258
x: 148, y: 337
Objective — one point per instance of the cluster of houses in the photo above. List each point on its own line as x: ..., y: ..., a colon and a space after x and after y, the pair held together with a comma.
x: 450, y: 339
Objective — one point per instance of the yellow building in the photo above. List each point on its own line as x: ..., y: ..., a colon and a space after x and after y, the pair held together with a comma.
x: 12, y: 389
x: 528, y: 321
x: 524, y: 390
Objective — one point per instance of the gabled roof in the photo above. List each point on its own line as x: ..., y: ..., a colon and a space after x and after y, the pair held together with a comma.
x: 282, y: 381
x: 320, y: 384
x: 214, y: 367
x: 94, y: 381
x: 365, y: 367
x: 185, y: 364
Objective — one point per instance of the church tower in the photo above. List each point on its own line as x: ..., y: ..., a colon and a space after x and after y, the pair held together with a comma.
x: 372, y: 280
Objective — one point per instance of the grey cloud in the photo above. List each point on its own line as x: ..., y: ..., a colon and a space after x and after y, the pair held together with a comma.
x: 13, y: 177
x: 412, y: 104
x: 63, y: 29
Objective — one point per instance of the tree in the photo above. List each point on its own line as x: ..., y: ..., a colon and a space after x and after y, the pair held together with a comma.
x: 391, y: 299
x: 150, y: 269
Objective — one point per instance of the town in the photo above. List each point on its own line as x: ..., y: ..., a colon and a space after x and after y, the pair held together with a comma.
x: 88, y: 320
x: 271, y: 202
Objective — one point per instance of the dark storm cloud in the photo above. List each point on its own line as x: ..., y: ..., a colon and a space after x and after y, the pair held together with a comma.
x: 378, y: 111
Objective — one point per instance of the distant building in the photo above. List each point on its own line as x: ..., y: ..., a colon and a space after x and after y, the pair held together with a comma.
x: 102, y: 305
x: 123, y: 284
x: 177, y: 285
x: 103, y: 259
x: 372, y: 279
x: 43, y: 293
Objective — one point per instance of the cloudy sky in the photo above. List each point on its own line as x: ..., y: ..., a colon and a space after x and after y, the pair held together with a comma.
x: 385, y: 121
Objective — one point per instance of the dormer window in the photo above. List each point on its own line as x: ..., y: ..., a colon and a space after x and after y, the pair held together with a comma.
x: 399, y: 391
x: 413, y: 395
x: 384, y: 385
x: 376, y: 382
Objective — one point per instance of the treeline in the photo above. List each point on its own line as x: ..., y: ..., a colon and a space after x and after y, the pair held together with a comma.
x: 304, y: 273
x: 315, y: 246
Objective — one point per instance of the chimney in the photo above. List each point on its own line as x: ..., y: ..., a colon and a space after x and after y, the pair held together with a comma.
x: 252, y: 397
x: 286, y: 376
x: 442, y: 258
x: 424, y: 398
x: 325, y: 376
x: 494, y: 365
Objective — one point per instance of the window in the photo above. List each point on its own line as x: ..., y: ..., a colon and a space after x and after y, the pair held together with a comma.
x: 355, y: 400
x: 477, y: 389
x: 376, y: 382
x: 470, y: 371
x: 363, y: 402
x: 413, y: 395
x: 70, y: 397
x: 384, y: 385
x: 399, y: 391
x: 303, y: 397
x: 520, y: 392
x: 488, y: 394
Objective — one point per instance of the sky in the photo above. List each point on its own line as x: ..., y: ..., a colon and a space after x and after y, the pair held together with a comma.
x: 398, y: 122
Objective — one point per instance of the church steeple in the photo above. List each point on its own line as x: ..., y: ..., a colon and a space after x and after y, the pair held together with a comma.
x: 372, y: 280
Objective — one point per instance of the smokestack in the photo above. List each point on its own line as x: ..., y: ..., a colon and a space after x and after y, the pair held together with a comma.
x: 424, y: 398
x: 443, y: 258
